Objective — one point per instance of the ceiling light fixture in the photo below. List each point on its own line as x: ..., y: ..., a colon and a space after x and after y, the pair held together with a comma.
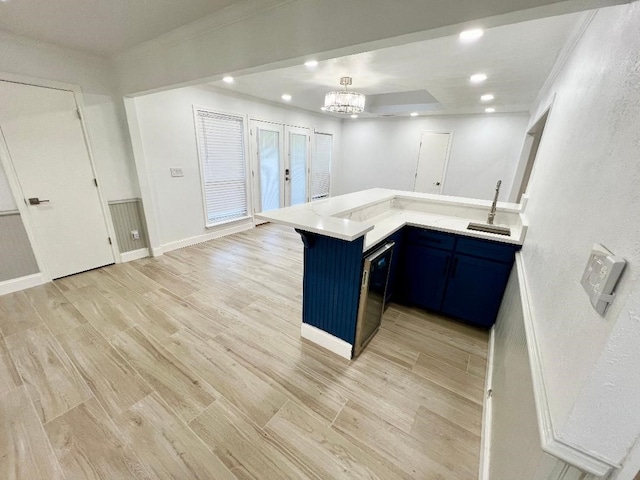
x: 324, y: 109
x: 227, y: 79
x: 414, y: 114
x: 487, y: 98
x: 471, y: 35
x: 311, y: 63
x: 354, y: 116
x: 490, y: 110
x: 478, y: 78
x: 344, y: 101
x: 286, y: 97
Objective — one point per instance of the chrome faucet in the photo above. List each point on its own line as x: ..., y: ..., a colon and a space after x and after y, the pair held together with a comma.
x: 492, y: 212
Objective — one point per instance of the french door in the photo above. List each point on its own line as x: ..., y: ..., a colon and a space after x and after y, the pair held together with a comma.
x: 279, y: 165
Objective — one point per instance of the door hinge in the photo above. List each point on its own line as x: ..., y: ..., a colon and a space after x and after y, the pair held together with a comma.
x: 110, y: 243
x: 489, y: 393
x: 79, y: 113
x: 95, y: 182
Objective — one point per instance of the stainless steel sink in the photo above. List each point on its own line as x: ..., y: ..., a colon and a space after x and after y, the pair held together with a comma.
x: 484, y: 227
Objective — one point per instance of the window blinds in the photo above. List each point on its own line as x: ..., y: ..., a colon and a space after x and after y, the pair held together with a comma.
x: 321, y: 171
x: 221, y: 148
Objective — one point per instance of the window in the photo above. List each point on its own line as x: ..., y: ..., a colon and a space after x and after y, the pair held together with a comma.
x: 321, y: 168
x: 222, y: 165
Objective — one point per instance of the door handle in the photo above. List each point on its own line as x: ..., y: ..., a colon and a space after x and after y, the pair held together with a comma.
x: 37, y: 201
x: 438, y: 183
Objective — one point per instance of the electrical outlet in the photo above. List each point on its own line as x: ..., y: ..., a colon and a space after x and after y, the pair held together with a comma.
x: 135, y: 234
x: 176, y: 172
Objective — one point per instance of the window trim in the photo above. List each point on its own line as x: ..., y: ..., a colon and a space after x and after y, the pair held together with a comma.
x: 247, y: 166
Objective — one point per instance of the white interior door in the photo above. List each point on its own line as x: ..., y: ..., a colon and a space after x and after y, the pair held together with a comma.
x: 432, y: 162
x: 49, y: 155
x: 297, y: 165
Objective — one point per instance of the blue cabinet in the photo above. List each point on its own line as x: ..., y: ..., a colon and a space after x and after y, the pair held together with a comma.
x: 425, y: 276
x: 474, y: 289
x: 459, y: 276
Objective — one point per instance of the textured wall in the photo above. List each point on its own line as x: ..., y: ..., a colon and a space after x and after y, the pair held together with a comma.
x: 16, y: 255
x: 127, y: 216
x: 516, y: 453
x: 585, y: 189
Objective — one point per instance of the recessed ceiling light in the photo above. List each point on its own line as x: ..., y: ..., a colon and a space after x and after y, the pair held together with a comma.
x: 478, y: 78
x: 311, y: 63
x: 324, y: 109
x: 354, y: 116
x: 490, y: 110
x: 414, y: 114
x: 227, y: 79
x: 487, y: 98
x: 471, y: 35
x: 286, y: 97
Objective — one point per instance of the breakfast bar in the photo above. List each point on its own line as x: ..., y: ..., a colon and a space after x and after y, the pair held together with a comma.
x: 415, y: 249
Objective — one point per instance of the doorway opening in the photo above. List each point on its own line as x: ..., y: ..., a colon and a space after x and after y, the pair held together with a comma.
x: 530, y: 152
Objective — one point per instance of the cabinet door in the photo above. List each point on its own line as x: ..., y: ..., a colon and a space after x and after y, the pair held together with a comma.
x: 475, y: 289
x: 425, y: 276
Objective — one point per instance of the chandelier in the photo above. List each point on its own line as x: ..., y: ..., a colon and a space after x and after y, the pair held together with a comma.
x: 344, y: 101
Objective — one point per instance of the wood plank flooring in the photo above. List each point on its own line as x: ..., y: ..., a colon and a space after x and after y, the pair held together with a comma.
x: 191, y: 366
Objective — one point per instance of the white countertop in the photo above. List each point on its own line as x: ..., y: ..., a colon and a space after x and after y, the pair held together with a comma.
x: 379, y: 212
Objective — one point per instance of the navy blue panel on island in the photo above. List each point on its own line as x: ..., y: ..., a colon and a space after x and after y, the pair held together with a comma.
x: 331, y: 285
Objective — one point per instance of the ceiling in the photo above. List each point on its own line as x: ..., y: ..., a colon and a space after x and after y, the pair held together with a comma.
x: 430, y: 77
x: 102, y: 27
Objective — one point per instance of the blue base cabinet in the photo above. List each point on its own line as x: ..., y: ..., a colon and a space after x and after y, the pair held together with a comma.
x: 425, y: 276
x: 458, y: 276
x: 474, y: 290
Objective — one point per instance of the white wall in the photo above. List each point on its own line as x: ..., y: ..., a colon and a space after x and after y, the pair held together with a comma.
x: 104, y: 115
x: 168, y: 140
x: 586, y: 188
x: 384, y: 153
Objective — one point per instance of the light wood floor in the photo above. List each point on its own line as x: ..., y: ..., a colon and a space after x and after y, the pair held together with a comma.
x: 191, y: 365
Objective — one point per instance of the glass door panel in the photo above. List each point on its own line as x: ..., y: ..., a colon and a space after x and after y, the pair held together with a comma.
x: 298, y: 168
x: 267, y: 166
x: 269, y: 160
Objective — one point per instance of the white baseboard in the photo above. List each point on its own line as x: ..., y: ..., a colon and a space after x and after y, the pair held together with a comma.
x: 551, y: 444
x: 134, y: 255
x: 326, y: 340
x: 21, y: 283
x: 217, y: 233
x: 487, y: 412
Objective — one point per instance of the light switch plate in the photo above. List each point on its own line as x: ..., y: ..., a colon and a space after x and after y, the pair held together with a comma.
x: 176, y: 172
x: 600, y: 277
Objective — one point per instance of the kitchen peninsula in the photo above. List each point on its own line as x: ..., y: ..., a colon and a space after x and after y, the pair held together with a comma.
x: 437, y: 262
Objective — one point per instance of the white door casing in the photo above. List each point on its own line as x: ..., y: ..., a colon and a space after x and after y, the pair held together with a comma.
x: 432, y: 162
x: 47, y: 151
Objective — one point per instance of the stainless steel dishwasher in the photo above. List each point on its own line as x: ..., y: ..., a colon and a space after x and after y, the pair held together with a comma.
x: 375, y: 276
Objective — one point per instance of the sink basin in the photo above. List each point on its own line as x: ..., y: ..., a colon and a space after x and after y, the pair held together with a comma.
x: 485, y: 227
